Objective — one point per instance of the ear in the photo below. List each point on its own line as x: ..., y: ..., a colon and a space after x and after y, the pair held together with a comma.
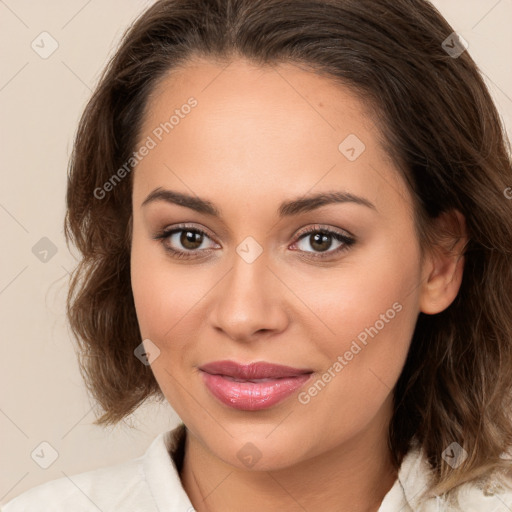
x: 444, y: 264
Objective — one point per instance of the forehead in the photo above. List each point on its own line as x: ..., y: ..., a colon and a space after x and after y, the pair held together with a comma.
x: 264, y: 130
x: 241, y: 97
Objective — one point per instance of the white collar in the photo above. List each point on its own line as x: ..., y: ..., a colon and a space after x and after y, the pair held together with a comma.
x: 162, y: 475
x: 406, y: 494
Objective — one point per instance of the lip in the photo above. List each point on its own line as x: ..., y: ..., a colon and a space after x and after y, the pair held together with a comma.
x: 254, y: 386
x: 256, y: 370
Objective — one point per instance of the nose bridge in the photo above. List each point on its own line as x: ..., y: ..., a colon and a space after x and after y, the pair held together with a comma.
x: 248, y: 300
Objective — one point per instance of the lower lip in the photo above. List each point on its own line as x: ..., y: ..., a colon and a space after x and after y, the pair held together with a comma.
x: 252, y: 396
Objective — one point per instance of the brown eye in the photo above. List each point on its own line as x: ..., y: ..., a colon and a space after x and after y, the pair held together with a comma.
x: 321, y: 241
x: 184, y: 241
x: 191, y: 239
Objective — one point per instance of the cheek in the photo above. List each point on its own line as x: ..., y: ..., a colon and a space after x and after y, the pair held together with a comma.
x: 377, y: 287
x: 164, y: 303
x: 160, y: 295
x: 370, y: 310
x: 363, y: 362
x: 168, y: 297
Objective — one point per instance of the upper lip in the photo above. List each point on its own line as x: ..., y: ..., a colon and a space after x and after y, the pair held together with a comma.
x: 256, y: 370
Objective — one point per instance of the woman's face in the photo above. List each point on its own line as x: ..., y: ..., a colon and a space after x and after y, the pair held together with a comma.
x: 257, y: 145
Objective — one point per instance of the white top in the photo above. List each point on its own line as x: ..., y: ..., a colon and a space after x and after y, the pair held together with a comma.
x: 151, y: 483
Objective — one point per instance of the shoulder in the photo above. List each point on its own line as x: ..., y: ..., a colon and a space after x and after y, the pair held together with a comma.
x: 109, y: 488
x: 127, y: 486
x: 415, y: 476
x: 485, y: 496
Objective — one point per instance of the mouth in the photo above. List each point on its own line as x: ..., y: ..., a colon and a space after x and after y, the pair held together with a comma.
x: 254, y: 386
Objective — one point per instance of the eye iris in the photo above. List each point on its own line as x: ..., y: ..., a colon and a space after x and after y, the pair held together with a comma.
x: 191, y: 237
x: 321, y: 238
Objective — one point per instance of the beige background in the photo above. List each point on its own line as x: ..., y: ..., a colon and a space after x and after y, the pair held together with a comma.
x: 43, y: 397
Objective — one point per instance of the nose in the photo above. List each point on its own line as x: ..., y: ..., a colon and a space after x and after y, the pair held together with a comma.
x: 249, y: 301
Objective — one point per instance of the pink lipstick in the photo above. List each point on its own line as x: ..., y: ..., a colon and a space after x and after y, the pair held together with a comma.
x: 254, y: 386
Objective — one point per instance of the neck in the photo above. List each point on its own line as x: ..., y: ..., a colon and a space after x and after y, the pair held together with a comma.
x: 354, y: 476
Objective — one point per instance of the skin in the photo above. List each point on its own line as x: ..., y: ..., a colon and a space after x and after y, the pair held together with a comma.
x: 258, y: 137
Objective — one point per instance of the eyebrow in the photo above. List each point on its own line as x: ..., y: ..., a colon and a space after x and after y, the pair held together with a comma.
x: 286, y: 209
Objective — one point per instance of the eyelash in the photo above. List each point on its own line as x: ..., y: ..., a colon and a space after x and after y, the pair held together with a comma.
x: 347, y: 241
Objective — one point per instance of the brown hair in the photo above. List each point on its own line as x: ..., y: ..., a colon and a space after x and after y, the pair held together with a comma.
x: 442, y: 131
